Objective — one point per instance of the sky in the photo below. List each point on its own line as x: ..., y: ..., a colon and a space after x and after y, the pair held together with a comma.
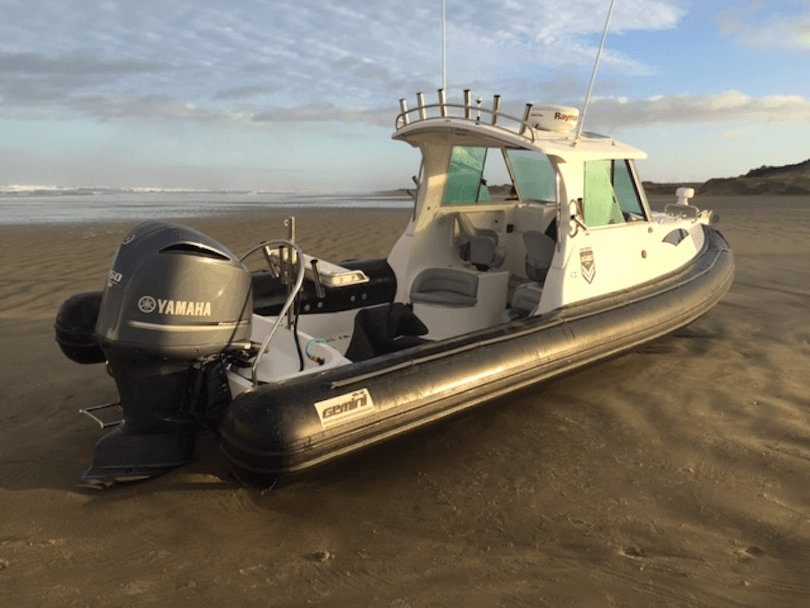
x: 276, y: 95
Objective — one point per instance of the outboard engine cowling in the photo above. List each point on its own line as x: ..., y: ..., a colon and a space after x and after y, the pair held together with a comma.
x: 75, y: 328
x: 174, y: 300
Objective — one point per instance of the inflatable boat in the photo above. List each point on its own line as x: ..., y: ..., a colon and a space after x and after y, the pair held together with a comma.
x: 531, y: 251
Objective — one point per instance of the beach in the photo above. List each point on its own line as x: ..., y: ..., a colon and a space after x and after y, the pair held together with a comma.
x: 676, y: 475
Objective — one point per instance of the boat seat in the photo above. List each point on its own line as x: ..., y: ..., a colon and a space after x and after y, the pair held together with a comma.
x: 485, y: 253
x: 525, y: 299
x: 445, y: 286
x: 479, y: 246
x: 539, y: 254
x: 469, y: 230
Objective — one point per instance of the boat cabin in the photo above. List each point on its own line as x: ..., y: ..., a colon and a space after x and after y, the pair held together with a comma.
x: 517, y: 217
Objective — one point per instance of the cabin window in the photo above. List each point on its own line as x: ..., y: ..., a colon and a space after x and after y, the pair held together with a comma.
x: 625, y: 187
x: 610, y: 195
x: 481, y: 175
x: 534, y: 175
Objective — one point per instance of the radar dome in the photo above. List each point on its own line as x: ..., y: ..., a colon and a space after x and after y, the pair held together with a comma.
x: 560, y: 119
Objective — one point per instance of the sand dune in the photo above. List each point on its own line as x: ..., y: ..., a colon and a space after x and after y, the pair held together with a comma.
x: 674, y: 476
x: 763, y: 182
x: 756, y: 186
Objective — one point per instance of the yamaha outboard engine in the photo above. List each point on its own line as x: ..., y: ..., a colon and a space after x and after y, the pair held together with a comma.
x: 175, y: 299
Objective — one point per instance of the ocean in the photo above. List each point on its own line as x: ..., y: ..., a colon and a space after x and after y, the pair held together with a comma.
x: 31, y: 206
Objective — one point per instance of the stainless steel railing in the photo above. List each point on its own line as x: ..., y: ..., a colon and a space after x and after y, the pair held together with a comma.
x: 466, y: 111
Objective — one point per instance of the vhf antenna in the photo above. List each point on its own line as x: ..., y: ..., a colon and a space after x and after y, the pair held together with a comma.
x: 444, y: 45
x: 593, y: 76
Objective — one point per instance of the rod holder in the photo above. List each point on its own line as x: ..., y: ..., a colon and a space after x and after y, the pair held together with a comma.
x: 442, y: 103
x: 289, y: 222
x: 496, y: 107
x: 526, y: 115
x: 403, y: 109
x: 467, y: 104
x: 420, y: 102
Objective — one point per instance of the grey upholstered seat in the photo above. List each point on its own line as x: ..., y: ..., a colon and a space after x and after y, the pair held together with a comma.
x: 525, y: 299
x: 539, y: 253
x: 448, y: 286
x: 478, y: 246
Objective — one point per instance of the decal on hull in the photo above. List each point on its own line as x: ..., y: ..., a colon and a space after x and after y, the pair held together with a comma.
x: 345, y: 407
x: 587, y: 264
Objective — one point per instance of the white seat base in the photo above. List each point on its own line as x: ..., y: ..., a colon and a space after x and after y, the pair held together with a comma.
x: 445, y: 320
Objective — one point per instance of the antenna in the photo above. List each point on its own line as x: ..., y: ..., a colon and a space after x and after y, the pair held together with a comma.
x: 593, y: 75
x: 444, y: 44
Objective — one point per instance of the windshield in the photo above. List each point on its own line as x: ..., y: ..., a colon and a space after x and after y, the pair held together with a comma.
x: 493, y: 175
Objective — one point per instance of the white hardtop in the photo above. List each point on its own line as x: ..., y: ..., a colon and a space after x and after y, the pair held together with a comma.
x: 476, y: 125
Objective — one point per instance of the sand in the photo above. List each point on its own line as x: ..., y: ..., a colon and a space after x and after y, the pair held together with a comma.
x: 676, y: 475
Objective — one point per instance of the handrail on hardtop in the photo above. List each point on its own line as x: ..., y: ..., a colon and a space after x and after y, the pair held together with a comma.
x: 440, y: 111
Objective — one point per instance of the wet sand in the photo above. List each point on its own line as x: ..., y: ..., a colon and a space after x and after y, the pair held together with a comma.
x: 676, y: 475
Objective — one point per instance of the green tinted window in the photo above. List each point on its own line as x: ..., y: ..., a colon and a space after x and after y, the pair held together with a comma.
x: 464, y: 179
x: 626, y: 189
x: 600, y: 206
x: 611, y: 196
x: 481, y: 175
x: 534, y: 175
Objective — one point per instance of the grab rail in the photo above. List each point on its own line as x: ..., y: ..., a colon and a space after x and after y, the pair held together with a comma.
x: 465, y: 111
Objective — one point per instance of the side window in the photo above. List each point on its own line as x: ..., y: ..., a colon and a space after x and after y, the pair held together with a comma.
x: 600, y: 206
x: 626, y: 192
x: 534, y: 175
x: 611, y: 196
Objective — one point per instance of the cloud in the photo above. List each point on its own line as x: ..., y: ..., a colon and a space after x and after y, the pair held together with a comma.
x: 218, y: 54
x: 113, y: 107
x: 245, y: 92
x: 323, y: 112
x: 149, y: 108
x: 28, y: 78
x: 779, y: 32
x: 606, y: 114
x: 613, y: 114
x: 77, y: 62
